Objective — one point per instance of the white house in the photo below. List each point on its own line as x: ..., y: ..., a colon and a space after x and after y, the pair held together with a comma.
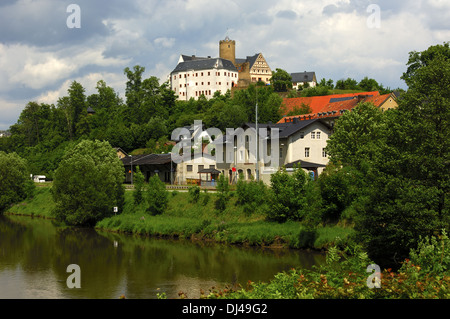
x: 302, y: 78
x: 197, y: 76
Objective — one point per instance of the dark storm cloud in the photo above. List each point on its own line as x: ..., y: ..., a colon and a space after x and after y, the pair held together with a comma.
x: 44, y: 22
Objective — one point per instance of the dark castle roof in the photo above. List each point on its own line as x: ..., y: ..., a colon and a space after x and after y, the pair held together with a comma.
x: 198, y: 64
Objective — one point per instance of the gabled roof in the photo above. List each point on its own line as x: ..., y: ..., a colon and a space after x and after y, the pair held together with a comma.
x: 149, y: 159
x: 204, y: 64
x: 250, y: 59
x: 288, y: 128
x: 339, y: 106
x: 317, y: 103
x: 303, y: 77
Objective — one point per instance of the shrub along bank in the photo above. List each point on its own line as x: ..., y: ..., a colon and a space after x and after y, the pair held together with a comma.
x: 196, y: 217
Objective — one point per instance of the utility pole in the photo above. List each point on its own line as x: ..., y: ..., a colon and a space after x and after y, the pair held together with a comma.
x: 257, y: 140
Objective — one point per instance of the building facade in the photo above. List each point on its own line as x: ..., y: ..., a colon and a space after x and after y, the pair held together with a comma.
x: 251, y: 69
x: 197, y: 76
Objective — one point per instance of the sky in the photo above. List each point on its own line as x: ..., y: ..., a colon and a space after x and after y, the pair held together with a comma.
x: 45, y: 45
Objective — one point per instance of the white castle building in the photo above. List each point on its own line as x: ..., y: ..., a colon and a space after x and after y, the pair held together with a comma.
x: 197, y: 76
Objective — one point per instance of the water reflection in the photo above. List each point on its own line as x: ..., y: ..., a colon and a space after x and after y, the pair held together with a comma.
x: 35, y: 253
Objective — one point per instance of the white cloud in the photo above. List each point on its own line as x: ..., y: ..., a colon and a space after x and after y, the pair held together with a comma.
x: 36, y: 68
x: 329, y: 37
x: 164, y: 42
x: 89, y: 83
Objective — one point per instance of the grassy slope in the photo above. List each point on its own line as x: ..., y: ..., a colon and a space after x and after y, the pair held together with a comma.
x: 198, y: 221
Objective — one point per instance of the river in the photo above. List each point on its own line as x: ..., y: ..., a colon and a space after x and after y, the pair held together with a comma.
x: 35, y: 254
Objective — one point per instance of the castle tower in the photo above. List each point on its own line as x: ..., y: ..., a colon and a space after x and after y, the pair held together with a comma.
x: 227, y: 50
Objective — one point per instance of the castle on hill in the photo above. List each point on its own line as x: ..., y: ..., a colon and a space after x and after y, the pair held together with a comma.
x: 196, y: 76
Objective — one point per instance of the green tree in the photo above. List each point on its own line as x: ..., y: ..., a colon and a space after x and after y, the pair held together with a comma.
x: 88, y: 183
x: 402, y: 160
x: 138, y: 180
x: 223, y: 193
x: 288, y: 195
x: 157, y: 196
x: 281, y: 80
x: 412, y: 177
x: 368, y: 85
x: 347, y: 84
x: 77, y: 101
x: 357, y: 136
x: 15, y: 181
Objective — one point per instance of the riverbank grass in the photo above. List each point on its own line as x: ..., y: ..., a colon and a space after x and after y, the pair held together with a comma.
x: 199, y: 220
x: 40, y: 204
x: 202, y: 221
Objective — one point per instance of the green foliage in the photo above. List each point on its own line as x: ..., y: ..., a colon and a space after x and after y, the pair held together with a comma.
x: 315, y: 91
x: 252, y: 196
x: 88, y: 183
x: 399, y: 162
x: 15, y: 181
x: 139, y: 181
x: 338, y: 189
x: 223, y: 193
x: 281, y: 80
x: 157, y: 196
x: 194, y: 193
x: 288, y: 195
x: 344, y: 276
x: 432, y: 254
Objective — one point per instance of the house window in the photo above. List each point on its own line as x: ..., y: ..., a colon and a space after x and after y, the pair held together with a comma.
x: 281, y: 152
x: 318, y: 135
x: 189, y: 168
x: 313, y: 135
x: 302, y: 134
x: 209, y: 73
x: 200, y: 167
x: 212, y: 166
x: 306, y: 151
x: 324, y: 153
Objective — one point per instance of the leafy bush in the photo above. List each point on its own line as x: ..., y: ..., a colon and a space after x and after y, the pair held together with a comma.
x: 157, y: 196
x: 288, y: 195
x: 345, y: 276
x: 88, y: 183
x: 139, y: 181
x: 337, y: 190
x: 194, y: 194
x: 15, y: 182
x: 223, y: 193
x: 252, y: 196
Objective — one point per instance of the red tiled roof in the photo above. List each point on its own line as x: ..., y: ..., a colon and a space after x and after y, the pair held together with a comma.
x: 316, y: 103
x: 337, y: 108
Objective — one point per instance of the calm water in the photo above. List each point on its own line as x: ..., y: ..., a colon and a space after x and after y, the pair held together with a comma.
x: 34, y: 255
